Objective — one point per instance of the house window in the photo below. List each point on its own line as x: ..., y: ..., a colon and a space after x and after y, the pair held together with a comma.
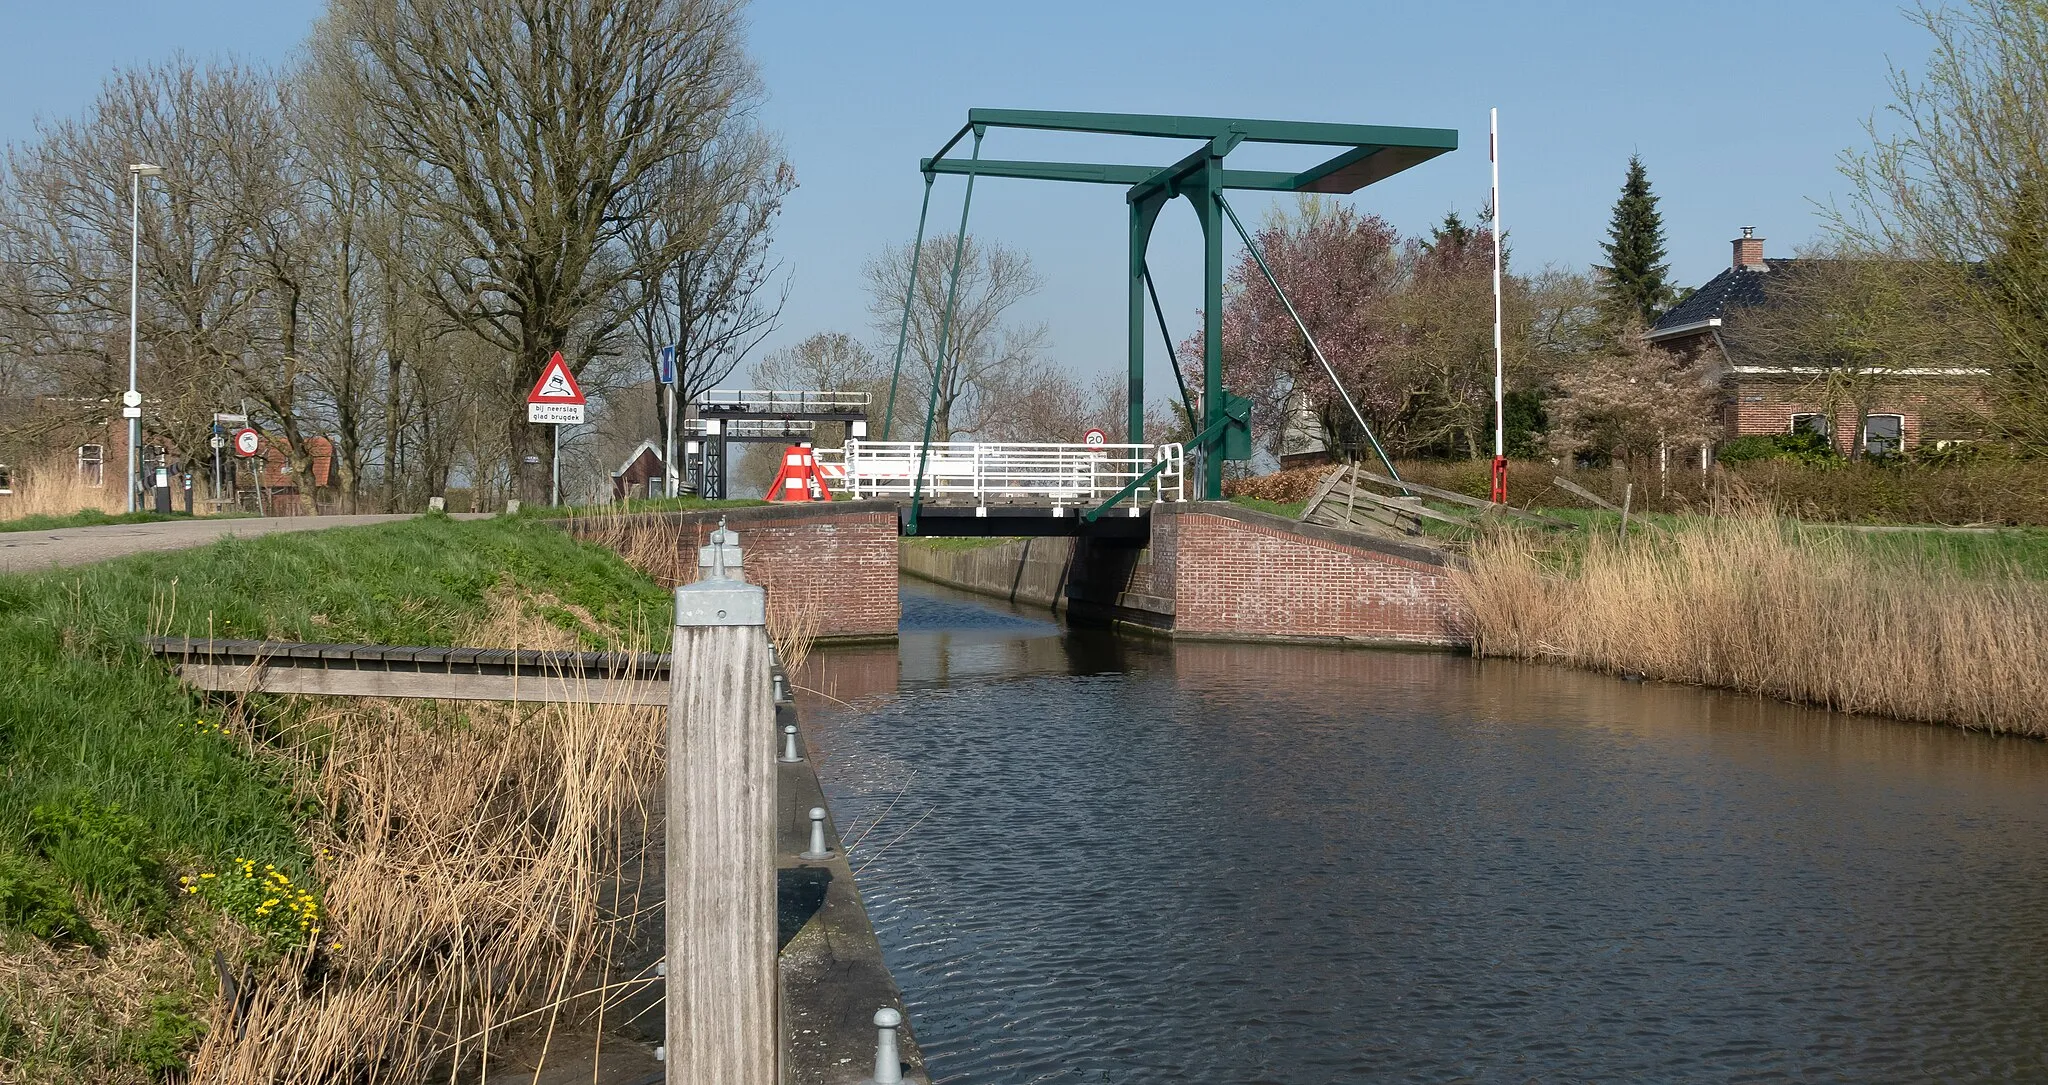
x: 6, y: 480
x: 1884, y: 435
x: 1816, y: 424
x: 92, y: 465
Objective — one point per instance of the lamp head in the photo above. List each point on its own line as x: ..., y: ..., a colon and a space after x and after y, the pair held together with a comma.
x: 144, y: 169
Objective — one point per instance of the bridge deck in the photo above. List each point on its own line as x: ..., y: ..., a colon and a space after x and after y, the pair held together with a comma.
x: 1020, y: 484
x: 1014, y: 521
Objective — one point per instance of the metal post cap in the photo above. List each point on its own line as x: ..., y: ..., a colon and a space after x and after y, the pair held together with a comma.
x: 888, y: 1017
x: 819, y: 849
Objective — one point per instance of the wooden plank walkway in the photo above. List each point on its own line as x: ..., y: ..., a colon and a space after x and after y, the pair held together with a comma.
x: 376, y: 670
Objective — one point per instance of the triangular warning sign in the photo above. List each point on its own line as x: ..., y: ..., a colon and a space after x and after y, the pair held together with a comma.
x: 555, y: 384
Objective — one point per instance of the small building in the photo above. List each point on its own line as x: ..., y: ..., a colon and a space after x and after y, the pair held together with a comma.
x: 1763, y: 396
x: 640, y: 476
x: 285, y: 491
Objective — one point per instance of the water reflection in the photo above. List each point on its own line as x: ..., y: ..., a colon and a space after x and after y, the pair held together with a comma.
x: 1098, y: 859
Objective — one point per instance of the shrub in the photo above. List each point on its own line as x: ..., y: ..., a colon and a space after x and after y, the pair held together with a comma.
x: 1805, y: 447
x: 102, y: 850
x: 162, y: 1044
x: 35, y: 901
x: 268, y: 903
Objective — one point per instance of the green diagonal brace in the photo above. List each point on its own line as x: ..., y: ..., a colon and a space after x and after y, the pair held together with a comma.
x: 1207, y: 436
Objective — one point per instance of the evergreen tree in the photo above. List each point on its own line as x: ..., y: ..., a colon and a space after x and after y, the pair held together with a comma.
x: 1633, y: 280
x: 1453, y: 232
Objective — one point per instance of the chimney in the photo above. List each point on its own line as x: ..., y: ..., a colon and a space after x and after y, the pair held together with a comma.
x: 1749, y: 251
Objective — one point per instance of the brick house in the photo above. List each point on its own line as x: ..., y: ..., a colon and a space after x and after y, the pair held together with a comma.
x: 1762, y: 397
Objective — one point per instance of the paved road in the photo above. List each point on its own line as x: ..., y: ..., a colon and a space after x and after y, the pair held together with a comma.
x: 29, y: 551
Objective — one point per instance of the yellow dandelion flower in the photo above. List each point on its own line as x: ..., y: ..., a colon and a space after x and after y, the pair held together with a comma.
x: 204, y: 876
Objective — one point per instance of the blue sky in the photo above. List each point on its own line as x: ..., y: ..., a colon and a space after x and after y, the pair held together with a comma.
x: 1739, y: 110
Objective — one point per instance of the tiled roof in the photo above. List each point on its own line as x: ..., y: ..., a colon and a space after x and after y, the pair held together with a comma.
x: 1731, y: 289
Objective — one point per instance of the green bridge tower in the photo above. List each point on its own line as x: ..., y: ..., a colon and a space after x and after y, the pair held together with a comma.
x: 1369, y: 153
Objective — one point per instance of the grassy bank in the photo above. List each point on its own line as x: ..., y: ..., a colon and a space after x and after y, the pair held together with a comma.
x: 84, y: 518
x: 1942, y: 628
x: 451, y: 858
x: 1990, y: 491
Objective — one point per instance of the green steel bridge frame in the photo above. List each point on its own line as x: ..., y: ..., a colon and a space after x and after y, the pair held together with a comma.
x: 1370, y: 153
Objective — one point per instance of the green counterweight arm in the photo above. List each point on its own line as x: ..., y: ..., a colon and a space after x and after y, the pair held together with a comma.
x: 924, y: 450
x: 1207, y: 436
x: 909, y: 298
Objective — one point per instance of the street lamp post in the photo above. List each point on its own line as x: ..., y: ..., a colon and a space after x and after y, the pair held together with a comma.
x: 131, y: 402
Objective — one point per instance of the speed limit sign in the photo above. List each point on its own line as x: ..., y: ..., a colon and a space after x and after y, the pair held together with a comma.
x: 1095, y: 437
x: 246, y: 442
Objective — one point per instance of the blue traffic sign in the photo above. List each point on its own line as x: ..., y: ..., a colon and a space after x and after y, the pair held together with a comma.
x: 667, y: 366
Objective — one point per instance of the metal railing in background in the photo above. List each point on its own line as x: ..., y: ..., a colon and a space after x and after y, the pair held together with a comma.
x: 780, y: 402
x: 968, y: 473
x: 796, y: 429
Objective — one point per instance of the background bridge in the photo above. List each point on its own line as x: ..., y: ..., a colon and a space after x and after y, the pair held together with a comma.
x: 967, y: 488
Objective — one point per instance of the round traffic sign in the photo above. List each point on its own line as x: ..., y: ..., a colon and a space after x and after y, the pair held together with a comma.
x: 1096, y: 437
x: 246, y: 442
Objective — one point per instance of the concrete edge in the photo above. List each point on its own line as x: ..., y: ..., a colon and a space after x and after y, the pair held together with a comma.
x: 833, y: 976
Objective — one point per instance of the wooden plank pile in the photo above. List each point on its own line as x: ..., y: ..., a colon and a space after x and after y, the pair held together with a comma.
x: 1357, y: 499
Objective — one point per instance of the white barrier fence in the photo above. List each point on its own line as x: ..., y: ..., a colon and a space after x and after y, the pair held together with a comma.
x: 960, y: 473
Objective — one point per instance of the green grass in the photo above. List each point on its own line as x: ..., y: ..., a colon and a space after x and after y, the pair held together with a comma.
x: 1289, y: 509
x: 2019, y: 550
x: 651, y: 504
x: 105, y: 777
x: 91, y: 518
x: 966, y: 542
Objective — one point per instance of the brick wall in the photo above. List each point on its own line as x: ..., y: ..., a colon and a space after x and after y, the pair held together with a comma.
x: 1218, y: 570
x: 1239, y: 573
x: 1760, y: 405
x: 837, y: 560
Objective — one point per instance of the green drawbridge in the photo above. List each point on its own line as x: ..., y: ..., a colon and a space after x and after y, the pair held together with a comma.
x: 1368, y: 153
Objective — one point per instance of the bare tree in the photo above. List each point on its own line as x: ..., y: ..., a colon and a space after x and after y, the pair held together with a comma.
x: 1957, y: 179
x: 527, y: 138
x: 66, y: 227
x: 983, y: 350
x: 717, y: 302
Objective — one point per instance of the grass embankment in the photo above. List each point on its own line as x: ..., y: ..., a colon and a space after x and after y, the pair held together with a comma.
x: 85, y: 518
x: 963, y: 542
x: 1938, y: 627
x: 636, y: 506
x: 450, y: 857
x: 1989, y: 491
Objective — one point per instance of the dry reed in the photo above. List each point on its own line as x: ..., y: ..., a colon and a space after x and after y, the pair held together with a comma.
x: 1755, y: 603
x: 55, y: 488
x: 467, y: 883
x: 475, y: 886
x: 665, y: 548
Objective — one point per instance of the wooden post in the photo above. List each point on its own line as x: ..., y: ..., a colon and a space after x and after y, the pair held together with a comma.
x: 721, y: 993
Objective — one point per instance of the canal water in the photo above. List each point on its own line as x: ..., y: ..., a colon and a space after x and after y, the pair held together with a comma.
x: 1101, y: 859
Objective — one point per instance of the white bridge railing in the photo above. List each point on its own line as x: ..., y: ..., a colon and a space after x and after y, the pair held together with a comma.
x: 961, y: 473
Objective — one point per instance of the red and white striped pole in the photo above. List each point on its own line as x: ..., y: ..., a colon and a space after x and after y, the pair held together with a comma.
x: 1500, y: 450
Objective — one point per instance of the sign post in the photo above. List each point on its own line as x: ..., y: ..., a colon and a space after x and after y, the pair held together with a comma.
x: 666, y: 374
x: 556, y: 401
